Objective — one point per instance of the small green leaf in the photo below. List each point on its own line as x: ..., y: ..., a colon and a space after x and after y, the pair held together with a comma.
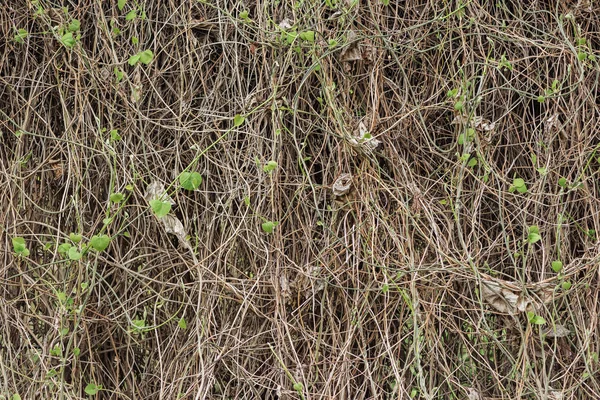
x: 557, y: 266
x: 99, y: 242
x: 385, y: 2
x: 74, y: 254
x: 247, y: 201
x: 75, y: 25
x: 458, y: 106
x: 535, y: 319
x: 131, y: 15
x: 68, y: 40
x: 20, y: 36
x: 107, y: 220
x: 522, y: 189
x: 75, y: 238
x: 121, y: 4
x: 518, y: 182
x: 268, y: 226
x: 472, y: 162
x: 182, y: 324
x: 308, y: 36
x: 133, y: 59
x: 452, y: 93
x: 19, y: 244
x: 238, y: 120
x: 114, y: 135
x: 542, y: 171
x: 76, y: 351
x: 64, y: 331
x: 84, y: 285
x: 190, y: 180
x: 581, y: 56
x: 298, y: 387
x: 64, y: 248
x: 534, y: 235
x: 566, y: 285
x: 461, y: 139
x: 15, y: 397
x: 146, y: 57
x: 541, y: 99
x: 562, y: 182
x: 116, y: 197
x: 135, y: 40
x: 385, y: 288
x: 160, y: 208
x: 244, y: 15
x: 270, y: 166
x: 61, y: 296
x: 92, y: 389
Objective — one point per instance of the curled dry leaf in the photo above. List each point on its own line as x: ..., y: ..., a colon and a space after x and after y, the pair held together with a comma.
x: 551, y: 122
x: 509, y: 297
x: 156, y: 191
x: 363, y: 139
x: 286, y: 24
x: 473, y: 394
x: 479, y: 123
x: 557, y: 331
x: 342, y: 184
x: 352, y: 51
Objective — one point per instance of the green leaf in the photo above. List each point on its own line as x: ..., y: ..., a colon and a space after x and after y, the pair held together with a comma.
x: 244, y: 15
x: 534, y: 235
x: 270, y: 166
x: 84, y: 285
x: 385, y: 2
x: 75, y: 238
x: 562, y: 182
x: 268, y: 226
x: 131, y: 15
x: 19, y: 244
x: 182, y: 324
x: 15, y: 397
x: 461, y: 139
x: 64, y: 248
x: 566, y: 285
x: 133, y: 59
x: 190, y: 180
x: 114, y: 134
x: 309, y: 36
x: 20, y: 36
x: 92, y: 389
x: 121, y: 4
x: 75, y: 25
x: 74, y: 254
x: 64, y: 331
x: 238, y: 120
x: 557, y: 266
x: 76, y: 351
x: 160, y: 208
x: 61, y: 296
x: 535, y: 319
x: 146, y: 57
x: 117, y: 197
x: 100, y: 242
x: 472, y: 162
x: 543, y: 171
x: 518, y: 182
x: 68, y: 40
x: 522, y: 189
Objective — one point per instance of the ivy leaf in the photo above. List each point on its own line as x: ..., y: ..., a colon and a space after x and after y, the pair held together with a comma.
x: 268, y: 226
x: 99, y: 242
x: 270, y: 166
x: 535, y: 319
x: 75, y: 238
x: 75, y: 25
x: 121, y: 4
x: 309, y: 36
x: 190, y: 180
x: 160, y: 208
x: 92, y: 389
x: 74, y: 254
x: 182, y: 324
x: 146, y: 56
x: 238, y: 120
x: 133, y: 59
x: 557, y: 266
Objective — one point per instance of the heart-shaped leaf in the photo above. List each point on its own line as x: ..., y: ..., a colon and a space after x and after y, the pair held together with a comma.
x: 557, y: 266
x: 75, y: 238
x: 146, y: 56
x: 270, y: 166
x: 160, y: 208
x: 238, y: 120
x: 99, y: 242
x: 269, y: 226
x: 190, y: 180
x: 74, y: 254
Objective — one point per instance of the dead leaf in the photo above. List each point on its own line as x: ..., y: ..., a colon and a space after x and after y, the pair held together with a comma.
x: 473, y: 394
x: 352, y: 51
x: 156, y: 191
x: 557, y: 331
x: 362, y: 138
x: 509, y: 297
x: 286, y: 24
x: 342, y: 184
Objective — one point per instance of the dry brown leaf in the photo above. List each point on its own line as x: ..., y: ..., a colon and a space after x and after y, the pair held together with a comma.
x: 359, y: 139
x: 342, y: 184
x: 509, y: 298
x: 557, y: 331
